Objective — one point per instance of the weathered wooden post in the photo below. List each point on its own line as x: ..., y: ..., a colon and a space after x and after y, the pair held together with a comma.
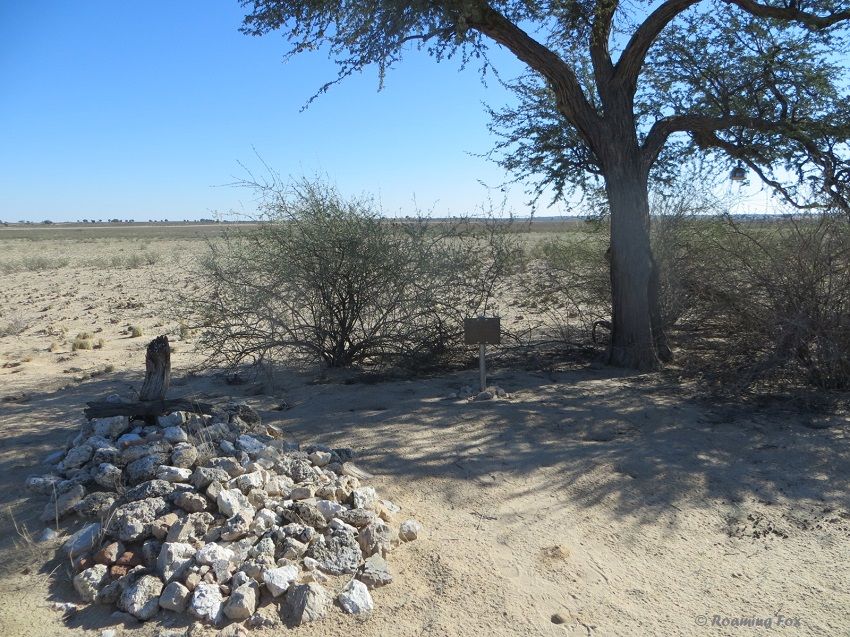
x: 157, y: 370
x: 152, y: 401
x: 481, y: 331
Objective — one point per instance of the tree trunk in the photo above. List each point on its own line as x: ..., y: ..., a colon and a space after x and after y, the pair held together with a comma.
x: 637, y: 336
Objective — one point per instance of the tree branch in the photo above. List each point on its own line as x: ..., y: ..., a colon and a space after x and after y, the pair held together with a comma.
x: 739, y: 153
x: 666, y: 126
x: 572, y: 101
x: 600, y: 33
x: 631, y: 60
x: 791, y: 12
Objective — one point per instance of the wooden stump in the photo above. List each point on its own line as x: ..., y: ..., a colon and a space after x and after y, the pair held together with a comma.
x: 157, y: 370
x: 152, y: 402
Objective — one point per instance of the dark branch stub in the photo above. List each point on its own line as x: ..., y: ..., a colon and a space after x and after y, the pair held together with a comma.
x: 157, y: 370
x: 151, y: 402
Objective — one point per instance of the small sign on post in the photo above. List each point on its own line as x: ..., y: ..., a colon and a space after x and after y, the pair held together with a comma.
x: 482, y: 331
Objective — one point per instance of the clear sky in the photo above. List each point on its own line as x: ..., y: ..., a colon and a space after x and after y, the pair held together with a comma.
x: 145, y: 109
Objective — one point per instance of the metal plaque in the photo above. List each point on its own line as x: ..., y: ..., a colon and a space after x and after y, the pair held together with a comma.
x: 482, y: 330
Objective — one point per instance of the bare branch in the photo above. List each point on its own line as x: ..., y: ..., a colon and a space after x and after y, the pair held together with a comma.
x: 792, y: 13
x: 572, y: 101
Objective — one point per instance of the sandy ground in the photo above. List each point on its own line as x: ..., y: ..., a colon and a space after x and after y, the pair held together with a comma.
x: 619, y: 503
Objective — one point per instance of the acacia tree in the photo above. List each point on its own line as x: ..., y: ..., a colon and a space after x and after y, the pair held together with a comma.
x: 615, y: 91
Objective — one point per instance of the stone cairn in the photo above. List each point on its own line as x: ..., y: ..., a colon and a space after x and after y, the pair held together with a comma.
x: 207, y: 514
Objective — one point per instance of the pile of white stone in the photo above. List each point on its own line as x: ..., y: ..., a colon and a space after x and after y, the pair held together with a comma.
x: 207, y: 514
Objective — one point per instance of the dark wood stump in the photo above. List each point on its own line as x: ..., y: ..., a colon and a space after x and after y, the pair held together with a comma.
x: 152, y: 401
x: 157, y: 370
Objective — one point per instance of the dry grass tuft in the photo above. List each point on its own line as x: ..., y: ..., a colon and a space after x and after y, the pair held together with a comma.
x: 81, y: 343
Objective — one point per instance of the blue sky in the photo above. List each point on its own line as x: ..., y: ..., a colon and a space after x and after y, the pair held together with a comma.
x: 145, y: 109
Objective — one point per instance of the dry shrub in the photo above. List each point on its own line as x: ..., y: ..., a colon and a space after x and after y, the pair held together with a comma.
x: 568, y: 282
x: 773, y: 297
x: 81, y: 343
x: 328, y: 279
x: 14, y: 326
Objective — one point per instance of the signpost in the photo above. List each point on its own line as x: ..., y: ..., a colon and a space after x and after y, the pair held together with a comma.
x: 482, y: 331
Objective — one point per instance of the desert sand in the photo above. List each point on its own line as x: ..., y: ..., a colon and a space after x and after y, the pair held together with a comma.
x: 591, y: 501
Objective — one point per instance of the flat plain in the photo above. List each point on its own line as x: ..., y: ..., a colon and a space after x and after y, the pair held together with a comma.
x: 591, y: 501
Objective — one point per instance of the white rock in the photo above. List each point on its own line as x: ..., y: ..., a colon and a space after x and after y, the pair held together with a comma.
x: 174, y: 559
x: 231, y: 501
x: 338, y: 525
x: 250, y: 445
x: 108, y: 476
x: 211, y: 552
x: 111, y: 427
x: 223, y: 570
x: 265, y: 546
x: 355, y: 598
x: 206, y: 602
x: 409, y: 530
x: 248, y: 481
x: 173, y: 474
x: 90, y: 581
x: 43, y: 485
x: 278, y: 485
x: 83, y: 540
x: 277, y: 580
x: 237, y: 526
x: 264, y: 520
x: 174, y: 434
x: 320, y: 458
x: 76, y: 457
x: 329, y: 508
x: 174, y: 597
x: 141, y: 599
x: 171, y: 420
x: 364, y: 497
x: 242, y: 602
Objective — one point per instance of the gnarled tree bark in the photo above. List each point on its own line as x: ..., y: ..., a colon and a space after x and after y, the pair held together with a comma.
x: 157, y: 370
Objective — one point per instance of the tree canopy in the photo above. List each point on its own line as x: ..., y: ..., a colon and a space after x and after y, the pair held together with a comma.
x: 760, y: 83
